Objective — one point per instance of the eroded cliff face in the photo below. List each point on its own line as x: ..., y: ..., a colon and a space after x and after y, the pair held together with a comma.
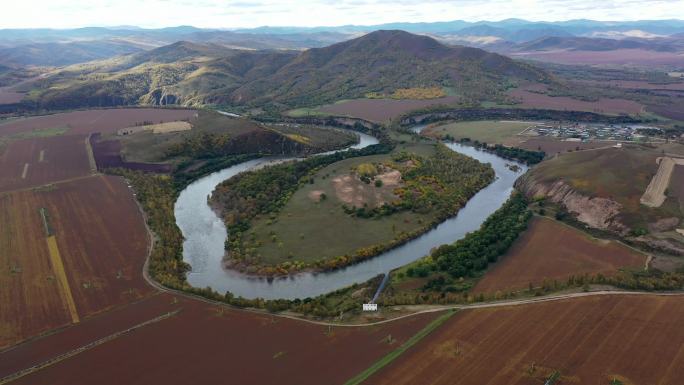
x: 596, y: 212
x: 603, y: 213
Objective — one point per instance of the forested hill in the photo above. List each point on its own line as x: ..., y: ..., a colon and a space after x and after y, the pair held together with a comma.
x: 383, y: 61
x: 193, y: 74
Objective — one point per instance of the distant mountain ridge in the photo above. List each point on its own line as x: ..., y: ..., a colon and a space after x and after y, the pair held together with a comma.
x: 191, y: 74
x: 30, y: 46
x: 381, y: 61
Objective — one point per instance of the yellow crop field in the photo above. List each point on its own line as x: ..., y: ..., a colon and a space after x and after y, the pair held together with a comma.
x: 60, y: 273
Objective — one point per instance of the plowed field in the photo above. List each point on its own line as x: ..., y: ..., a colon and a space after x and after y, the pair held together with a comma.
x: 102, y: 243
x: 591, y: 340
x: 554, y: 251
x: 91, y: 121
x: 205, y: 344
x: 35, y: 162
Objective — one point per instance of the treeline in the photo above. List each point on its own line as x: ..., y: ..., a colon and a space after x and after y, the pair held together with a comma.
x: 512, y: 153
x: 263, y: 191
x: 199, y: 146
x: 324, y: 306
x: 472, y: 254
x: 441, y: 184
x: 477, y: 113
x: 157, y: 196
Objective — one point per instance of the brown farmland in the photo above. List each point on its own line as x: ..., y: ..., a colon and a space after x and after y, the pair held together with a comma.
x: 605, y: 106
x: 635, y: 85
x: 550, y: 250
x: 552, y: 146
x: 30, y: 298
x: 49, y: 160
x: 205, y: 344
x: 102, y: 241
x: 9, y: 96
x: 677, y: 184
x: 91, y: 121
x: 380, y: 110
x: 636, y: 57
x: 674, y: 110
x: 591, y: 340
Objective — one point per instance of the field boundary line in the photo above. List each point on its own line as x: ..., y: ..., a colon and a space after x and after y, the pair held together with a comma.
x: 647, y: 255
x: 432, y: 309
x: 73, y: 352
x: 57, y: 182
x: 91, y: 156
x: 25, y: 171
x: 396, y: 353
x: 58, y: 267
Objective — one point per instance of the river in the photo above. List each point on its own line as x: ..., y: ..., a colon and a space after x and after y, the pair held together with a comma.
x: 205, y: 234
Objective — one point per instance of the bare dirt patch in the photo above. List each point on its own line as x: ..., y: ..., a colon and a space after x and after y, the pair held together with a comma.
x: 315, y: 195
x: 654, y: 196
x: 354, y: 192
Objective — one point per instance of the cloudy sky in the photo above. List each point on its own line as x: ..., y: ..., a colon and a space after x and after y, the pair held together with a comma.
x: 253, y: 13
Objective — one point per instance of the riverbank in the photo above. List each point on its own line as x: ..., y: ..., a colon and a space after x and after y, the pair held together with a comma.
x: 205, y: 234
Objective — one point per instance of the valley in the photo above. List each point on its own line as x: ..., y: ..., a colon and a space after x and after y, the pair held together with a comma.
x: 342, y: 205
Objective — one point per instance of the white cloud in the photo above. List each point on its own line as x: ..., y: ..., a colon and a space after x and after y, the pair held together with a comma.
x: 252, y: 13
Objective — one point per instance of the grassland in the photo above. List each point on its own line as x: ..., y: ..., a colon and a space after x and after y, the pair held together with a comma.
x: 621, y: 175
x: 149, y: 147
x: 309, y: 228
x: 551, y: 251
x: 214, y: 134
x: 492, y: 132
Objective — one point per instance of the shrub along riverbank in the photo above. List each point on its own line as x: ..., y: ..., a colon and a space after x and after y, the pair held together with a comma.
x: 157, y: 195
x: 439, y: 184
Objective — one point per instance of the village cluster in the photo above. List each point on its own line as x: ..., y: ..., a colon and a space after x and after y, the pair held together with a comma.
x: 588, y: 131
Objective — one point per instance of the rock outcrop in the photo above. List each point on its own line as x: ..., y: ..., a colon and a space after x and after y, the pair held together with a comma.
x: 596, y: 212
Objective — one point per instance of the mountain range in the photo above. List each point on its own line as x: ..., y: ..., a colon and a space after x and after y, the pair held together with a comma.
x: 50, y: 47
x: 192, y: 74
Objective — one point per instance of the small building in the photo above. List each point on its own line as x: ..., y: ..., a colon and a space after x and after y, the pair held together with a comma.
x: 370, y: 307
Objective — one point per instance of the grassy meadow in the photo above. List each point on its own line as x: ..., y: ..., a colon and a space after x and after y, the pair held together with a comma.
x: 309, y: 228
x: 490, y: 131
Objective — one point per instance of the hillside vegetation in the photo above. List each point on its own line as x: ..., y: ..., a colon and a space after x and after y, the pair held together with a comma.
x: 190, y: 74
